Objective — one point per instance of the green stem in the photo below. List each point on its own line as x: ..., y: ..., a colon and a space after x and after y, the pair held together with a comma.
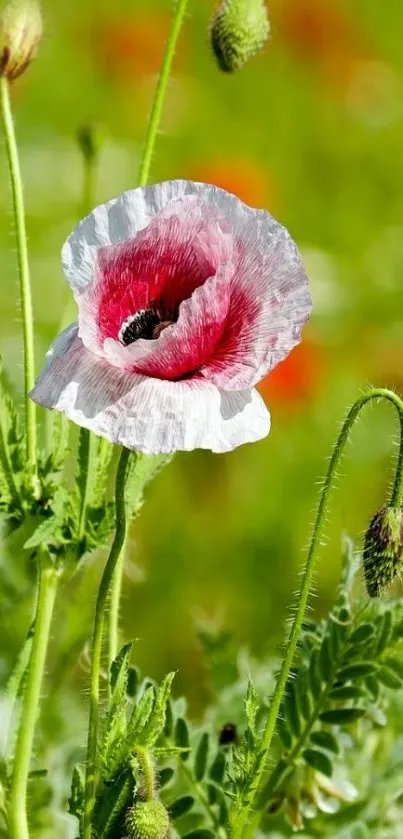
x: 48, y: 581
x: 241, y: 820
x: 23, y: 270
x: 117, y: 545
x: 160, y: 91
x: 114, y: 606
x: 86, y: 448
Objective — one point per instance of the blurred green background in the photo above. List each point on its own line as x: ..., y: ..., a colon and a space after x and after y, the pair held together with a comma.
x: 312, y: 130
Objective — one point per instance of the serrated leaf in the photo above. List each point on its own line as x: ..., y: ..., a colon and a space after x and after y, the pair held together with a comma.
x: 77, y: 795
x: 140, y: 715
x: 119, y: 673
x: 133, y: 679
x: 46, y: 532
x: 359, y: 670
x: 111, y: 807
x: 156, y: 723
x: 341, y: 716
x: 182, y: 736
x: 201, y: 757
x: 252, y: 705
x: 325, y: 740
x: 362, y: 633
x: 319, y: 761
x: 181, y: 806
x: 389, y: 678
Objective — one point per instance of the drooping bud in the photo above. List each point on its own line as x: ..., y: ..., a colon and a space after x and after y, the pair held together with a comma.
x: 239, y: 29
x: 20, y: 33
x: 383, y: 549
x: 148, y: 820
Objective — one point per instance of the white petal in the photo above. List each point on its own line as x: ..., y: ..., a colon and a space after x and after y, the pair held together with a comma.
x: 146, y: 414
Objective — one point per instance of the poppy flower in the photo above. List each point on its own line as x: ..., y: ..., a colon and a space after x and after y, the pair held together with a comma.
x: 186, y: 299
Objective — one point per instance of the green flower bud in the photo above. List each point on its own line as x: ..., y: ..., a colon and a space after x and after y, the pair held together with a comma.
x: 148, y: 820
x: 239, y: 29
x: 90, y: 139
x: 383, y: 549
x: 20, y: 33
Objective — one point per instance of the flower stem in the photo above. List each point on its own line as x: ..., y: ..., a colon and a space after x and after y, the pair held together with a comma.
x: 48, y: 581
x: 114, y: 606
x: 23, y: 270
x: 117, y: 544
x: 160, y: 91
x: 241, y: 820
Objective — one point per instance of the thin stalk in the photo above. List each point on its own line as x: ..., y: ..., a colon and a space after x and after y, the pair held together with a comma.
x: 23, y: 270
x: 242, y: 825
x: 48, y: 581
x: 86, y: 448
x: 116, y: 548
x: 160, y: 91
x: 114, y: 607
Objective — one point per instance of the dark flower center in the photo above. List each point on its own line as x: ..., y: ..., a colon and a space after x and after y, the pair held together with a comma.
x: 140, y: 325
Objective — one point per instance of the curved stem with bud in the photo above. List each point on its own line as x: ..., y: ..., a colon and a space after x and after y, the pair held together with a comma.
x: 242, y: 825
x: 160, y: 91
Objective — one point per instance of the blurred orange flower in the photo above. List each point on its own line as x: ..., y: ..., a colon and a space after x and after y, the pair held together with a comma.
x: 321, y: 32
x: 296, y: 379
x: 130, y: 47
x: 242, y: 176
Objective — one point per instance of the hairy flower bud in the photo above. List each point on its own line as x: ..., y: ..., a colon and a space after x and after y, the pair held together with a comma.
x: 383, y: 549
x: 239, y: 29
x: 20, y: 33
x: 148, y: 820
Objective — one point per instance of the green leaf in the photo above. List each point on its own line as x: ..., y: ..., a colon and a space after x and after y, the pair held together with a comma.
x: 319, y: 761
x: 201, y: 757
x: 384, y: 631
x: 119, y: 672
x: 140, y: 715
x: 165, y: 776
x: 182, y: 736
x: 217, y: 768
x: 360, y: 670
x: 389, y: 678
x: 284, y: 733
x: 394, y: 664
x: 77, y: 795
x: 291, y: 711
x: 341, y: 716
x: 156, y: 724
x: 325, y: 660
x: 46, y: 532
x: 314, y: 678
x: 362, y: 633
x: 181, y: 806
x: 252, y: 705
x: 325, y: 740
x: 345, y: 692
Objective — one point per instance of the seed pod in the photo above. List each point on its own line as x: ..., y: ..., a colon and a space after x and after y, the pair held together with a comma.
x: 148, y: 820
x: 383, y: 549
x: 239, y: 29
x: 20, y: 33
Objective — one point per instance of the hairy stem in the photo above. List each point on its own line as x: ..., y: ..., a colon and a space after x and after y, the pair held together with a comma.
x: 160, y: 91
x: 48, y: 580
x: 114, y: 607
x: 242, y: 823
x: 117, y: 545
x: 23, y: 270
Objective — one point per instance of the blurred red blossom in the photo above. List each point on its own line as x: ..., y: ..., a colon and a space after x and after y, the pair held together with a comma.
x: 297, y: 379
x: 242, y: 176
x: 128, y: 48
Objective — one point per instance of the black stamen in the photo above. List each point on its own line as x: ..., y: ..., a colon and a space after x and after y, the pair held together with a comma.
x: 140, y: 325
